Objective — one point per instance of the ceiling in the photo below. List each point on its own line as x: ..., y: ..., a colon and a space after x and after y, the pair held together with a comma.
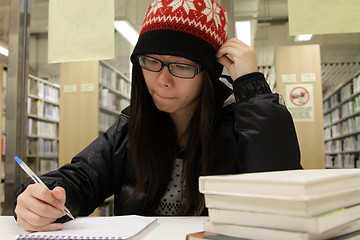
x: 340, y: 53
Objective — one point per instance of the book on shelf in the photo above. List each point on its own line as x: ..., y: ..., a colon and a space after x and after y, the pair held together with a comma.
x: 103, y: 95
x: 33, y: 87
x: 43, y: 147
x: 290, y: 183
x: 2, y: 172
x: 124, y: 88
x: 42, y: 129
x: 317, y: 224
x: 284, y: 205
x: 42, y: 109
x: 40, y: 90
x: 108, y: 77
x: 47, y: 165
x: 247, y: 232
x: 51, y: 93
x: 105, y: 121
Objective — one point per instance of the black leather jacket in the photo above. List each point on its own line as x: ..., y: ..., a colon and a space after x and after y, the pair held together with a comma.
x: 254, y: 133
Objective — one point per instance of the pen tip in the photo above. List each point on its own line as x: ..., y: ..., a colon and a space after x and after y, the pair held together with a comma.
x: 67, y: 211
x: 18, y: 160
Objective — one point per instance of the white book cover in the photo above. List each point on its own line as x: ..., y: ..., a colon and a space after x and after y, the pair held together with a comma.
x: 317, y: 224
x: 291, y: 183
x: 284, y: 205
x: 257, y: 233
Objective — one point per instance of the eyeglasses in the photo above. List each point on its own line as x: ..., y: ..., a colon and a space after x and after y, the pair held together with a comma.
x: 180, y: 70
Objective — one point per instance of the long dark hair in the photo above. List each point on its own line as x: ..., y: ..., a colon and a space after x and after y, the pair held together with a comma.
x: 153, y: 143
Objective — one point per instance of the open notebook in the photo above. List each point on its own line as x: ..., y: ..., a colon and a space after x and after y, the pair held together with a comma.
x: 94, y: 228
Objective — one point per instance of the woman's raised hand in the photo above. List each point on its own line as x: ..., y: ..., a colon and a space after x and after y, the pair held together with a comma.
x: 237, y: 57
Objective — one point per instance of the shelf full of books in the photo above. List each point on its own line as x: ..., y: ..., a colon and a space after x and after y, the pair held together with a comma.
x: 114, y: 95
x: 42, y: 124
x: 342, y: 125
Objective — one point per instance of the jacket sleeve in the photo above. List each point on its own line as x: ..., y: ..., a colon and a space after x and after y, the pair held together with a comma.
x: 88, y: 179
x: 264, y: 127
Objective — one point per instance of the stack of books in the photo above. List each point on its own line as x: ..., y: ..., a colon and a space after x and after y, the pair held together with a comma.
x: 294, y: 204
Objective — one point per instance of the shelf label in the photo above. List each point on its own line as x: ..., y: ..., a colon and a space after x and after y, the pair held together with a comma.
x: 70, y: 88
x: 288, y: 78
x: 299, y: 101
x: 308, y: 77
x: 87, y: 87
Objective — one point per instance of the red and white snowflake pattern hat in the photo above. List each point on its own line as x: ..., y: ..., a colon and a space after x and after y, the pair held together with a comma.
x: 194, y: 29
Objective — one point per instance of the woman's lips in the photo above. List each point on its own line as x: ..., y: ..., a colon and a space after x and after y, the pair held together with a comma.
x: 163, y: 97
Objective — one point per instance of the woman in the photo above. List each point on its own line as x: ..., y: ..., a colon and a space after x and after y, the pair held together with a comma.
x: 184, y: 121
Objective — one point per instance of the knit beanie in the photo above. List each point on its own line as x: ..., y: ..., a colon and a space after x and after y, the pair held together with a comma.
x: 193, y: 29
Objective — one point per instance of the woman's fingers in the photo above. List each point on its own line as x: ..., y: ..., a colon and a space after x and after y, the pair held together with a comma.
x: 237, y: 57
x: 60, y: 194
x: 37, y: 208
x: 47, y: 227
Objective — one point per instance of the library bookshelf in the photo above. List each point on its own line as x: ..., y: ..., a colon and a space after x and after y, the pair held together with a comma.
x: 342, y: 125
x: 43, y: 111
x: 114, y: 95
x: 92, y: 96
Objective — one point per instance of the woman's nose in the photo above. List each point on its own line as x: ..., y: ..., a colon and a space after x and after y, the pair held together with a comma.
x: 165, y: 78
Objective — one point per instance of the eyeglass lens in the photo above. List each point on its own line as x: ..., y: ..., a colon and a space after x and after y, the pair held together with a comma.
x: 180, y: 70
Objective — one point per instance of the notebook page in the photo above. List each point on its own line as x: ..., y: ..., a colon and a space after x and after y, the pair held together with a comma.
x: 119, y: 227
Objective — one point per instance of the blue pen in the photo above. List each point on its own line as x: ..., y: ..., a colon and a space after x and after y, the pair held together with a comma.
x: 36, y: 179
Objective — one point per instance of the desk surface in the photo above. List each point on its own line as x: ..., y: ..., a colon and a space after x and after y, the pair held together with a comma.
x: 176, y: 227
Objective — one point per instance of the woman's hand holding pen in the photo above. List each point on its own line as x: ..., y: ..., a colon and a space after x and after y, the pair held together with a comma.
x: 237, y: 57
x: 38, y: 207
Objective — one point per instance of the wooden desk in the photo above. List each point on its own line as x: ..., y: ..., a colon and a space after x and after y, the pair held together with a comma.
x: 174, y: 228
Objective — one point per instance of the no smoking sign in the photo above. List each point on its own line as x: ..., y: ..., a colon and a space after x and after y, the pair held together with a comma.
x: 299, y: 96
x: 299, y: 101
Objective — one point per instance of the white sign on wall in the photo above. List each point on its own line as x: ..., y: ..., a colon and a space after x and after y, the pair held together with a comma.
x: 300, y: 101
x: 81, y: 30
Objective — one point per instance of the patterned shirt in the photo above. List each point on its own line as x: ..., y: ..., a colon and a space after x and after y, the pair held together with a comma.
x: 170, y: 204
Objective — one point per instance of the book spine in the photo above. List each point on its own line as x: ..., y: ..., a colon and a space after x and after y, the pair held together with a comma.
x: 253, y: 233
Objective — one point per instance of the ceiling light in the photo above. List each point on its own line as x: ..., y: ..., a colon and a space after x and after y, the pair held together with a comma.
x: 127, y: 31
x: 4, y: 51
x: 303, y: 37
x: 243, y: 31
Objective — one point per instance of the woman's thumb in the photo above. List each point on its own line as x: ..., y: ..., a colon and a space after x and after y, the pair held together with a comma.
x: 60, y: 194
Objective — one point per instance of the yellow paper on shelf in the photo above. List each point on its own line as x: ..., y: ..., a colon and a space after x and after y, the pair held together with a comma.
x: 323, y: 16
x: 80, y: 30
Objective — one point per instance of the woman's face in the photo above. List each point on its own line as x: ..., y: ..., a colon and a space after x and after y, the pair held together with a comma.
x: 174, y: 95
